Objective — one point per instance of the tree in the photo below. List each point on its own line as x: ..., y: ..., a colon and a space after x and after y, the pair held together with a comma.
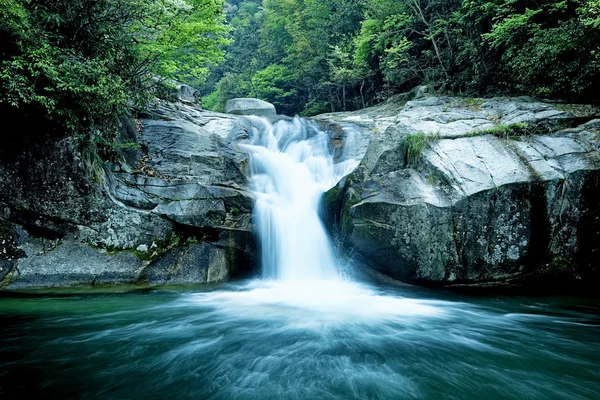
x: 78, y: 62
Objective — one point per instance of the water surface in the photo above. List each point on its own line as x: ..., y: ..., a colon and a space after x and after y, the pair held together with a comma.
x: 319, y: 340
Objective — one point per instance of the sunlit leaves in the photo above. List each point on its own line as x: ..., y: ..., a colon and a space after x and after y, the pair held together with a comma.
x: 80, y: 61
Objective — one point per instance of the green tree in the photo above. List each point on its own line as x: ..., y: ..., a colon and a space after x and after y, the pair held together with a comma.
x: 78, y: 62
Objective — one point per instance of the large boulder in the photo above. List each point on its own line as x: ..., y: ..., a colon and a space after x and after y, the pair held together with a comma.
x: 452, y: 193
x: 71, y: 263
x: 197, y: 263
x: 172, y: 190
x: 187, y: 94
x: 250, y: 107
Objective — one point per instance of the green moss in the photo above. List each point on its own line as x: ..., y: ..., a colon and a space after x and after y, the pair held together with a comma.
x: 505, y: 131
x: 191, y: 240
x: 558, y: 266
x: 471, y: 104
x: 431, y: 179
x: 125, y: 145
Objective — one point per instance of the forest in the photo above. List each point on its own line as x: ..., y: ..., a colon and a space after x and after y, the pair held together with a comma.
x: 80, y: 63
x: 314, y: 56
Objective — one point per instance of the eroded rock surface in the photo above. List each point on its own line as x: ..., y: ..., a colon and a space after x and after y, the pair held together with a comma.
x: 449, y: 193
x: 169, y: 207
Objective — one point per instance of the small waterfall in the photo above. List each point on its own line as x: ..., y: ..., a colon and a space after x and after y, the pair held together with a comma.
x: 292, y: 165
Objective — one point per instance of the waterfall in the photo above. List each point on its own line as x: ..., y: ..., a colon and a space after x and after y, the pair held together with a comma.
x: 292, y: 165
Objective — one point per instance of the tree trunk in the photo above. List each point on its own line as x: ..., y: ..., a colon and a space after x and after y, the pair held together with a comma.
x: 416, y: 6
x: 362, y: 96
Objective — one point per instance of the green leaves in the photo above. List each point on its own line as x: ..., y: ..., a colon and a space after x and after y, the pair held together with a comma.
x: 316, y: 55
x: 506, y: 30
x: 80, y: 61
x: 590, y: 13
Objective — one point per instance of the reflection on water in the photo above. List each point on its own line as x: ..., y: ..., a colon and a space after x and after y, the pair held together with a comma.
x: 311, y: 340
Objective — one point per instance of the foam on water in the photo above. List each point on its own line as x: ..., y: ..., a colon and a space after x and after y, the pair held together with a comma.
x: 317, y: 304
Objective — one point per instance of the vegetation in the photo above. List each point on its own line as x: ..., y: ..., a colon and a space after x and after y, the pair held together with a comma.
x: 71, y: 67
x: 414, y: 145
x: 154, y: 251
x: 75, y: 67
x: 506, y: 131
x: 310, y: 56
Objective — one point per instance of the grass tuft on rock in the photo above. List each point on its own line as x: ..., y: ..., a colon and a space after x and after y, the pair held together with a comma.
x: 414, y: 145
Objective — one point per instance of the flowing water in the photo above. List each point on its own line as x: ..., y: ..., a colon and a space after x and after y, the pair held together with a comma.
x: 304, y: 331
x: 292, y: 166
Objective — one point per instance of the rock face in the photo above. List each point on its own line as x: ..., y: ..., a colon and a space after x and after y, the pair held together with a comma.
x: 453, y: 192
x: 449, y: 192
x: 169, y: 206
x: 250, y: 107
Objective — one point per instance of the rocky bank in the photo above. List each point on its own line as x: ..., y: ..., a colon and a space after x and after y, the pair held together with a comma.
x: 453, y: 191
x: 169, y: 206
x: 450, y: 191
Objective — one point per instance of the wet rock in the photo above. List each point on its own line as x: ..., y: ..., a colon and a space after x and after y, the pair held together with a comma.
x: 195, y: 264
x: 72, y: 264
x: 186, y: 177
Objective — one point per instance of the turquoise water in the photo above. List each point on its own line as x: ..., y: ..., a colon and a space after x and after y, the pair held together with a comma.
x: 256, y: 340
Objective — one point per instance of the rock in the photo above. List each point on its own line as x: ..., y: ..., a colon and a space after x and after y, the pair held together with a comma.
x: 196, y: 264
x: 473, y: 207
x: 250, y: 107
x: 186, y: 178
x: 181, y: 149
x: 188, y: 94
x: 72, y: 264
x: 452, y: 117
x: 422, y: 91
x: 174, y: 91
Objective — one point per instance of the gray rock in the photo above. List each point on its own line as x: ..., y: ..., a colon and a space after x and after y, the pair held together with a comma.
x: 72, y: 264
x: 195, y: 264
x: 184, y: 150
x: 188, y: 94
x: 250, y: 107
x: 454, y: 117
x: 187, y: 202
x: 422, y: 91
x: 173, y: 91
x: 187, y: 174
x: 473, y: 207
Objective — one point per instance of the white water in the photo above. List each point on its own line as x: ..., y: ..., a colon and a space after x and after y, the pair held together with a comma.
x: 292, y: 166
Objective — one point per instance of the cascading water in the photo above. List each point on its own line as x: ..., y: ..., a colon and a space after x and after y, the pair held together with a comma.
x: 292, y: 165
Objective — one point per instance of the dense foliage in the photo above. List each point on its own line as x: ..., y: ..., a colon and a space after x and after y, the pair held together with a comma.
x: 78, y: 63
x: 75, y: 64
x: 312, y: 56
